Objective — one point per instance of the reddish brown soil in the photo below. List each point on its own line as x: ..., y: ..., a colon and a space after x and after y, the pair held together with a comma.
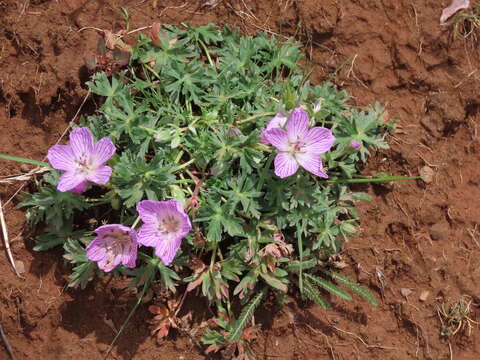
x: 417, y: 236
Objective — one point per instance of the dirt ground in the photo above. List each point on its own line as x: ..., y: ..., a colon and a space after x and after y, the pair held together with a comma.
x: 420, y: 245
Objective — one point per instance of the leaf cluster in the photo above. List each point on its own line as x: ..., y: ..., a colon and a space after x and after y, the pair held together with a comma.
x: 185, y: 115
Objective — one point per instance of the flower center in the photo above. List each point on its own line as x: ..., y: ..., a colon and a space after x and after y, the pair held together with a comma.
x: 117, y: 242
x: 169, y: 224
x: 84, y: 165
x: 297, y: 147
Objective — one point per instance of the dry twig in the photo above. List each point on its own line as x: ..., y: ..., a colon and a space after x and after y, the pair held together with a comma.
x: 363, y: 341
x: 23, y: 177
x: 6, y: 241
x: 7, y: 344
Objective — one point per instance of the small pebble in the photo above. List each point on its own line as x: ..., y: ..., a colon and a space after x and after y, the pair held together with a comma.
x: 427, y: 174
x: 439, y: 231
x: 20, y: 266
x: 424, y: 295
x: 102, y: 347
x: 405, y: 292
x: 24, y: 168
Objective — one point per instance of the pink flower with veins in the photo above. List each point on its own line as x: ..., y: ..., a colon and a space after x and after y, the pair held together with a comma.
x: 115, y: 244
x: 82, y: 160
x: 299, y: 146
x: 165, y: 224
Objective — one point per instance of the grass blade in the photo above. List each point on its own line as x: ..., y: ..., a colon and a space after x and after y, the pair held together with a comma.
x: 24, y: 160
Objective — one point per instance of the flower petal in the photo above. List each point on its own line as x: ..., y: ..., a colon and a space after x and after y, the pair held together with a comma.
x: 69, y: 180
x: 455, y: 6
x: 107, y: 264
x: 101, y: 175
x: 149, y: 235
x: 355, y: 144
x: 103, y: 150
x: 167, y: 250
x: 96, y: 252
x: 277, y: 122
x: 312, y: 163
x: 186, y: 224
x: 148, y: 211
x: 129, y: 259
x: 297, y: 125
x: 110, y: 228
x: 285, y: 165
x: 278, y: 138
x: 318, y: 140
x: 61, y: 157
x: 81, y: 141
x: 80, y: 188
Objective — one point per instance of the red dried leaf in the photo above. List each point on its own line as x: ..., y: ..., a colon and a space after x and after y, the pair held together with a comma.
x: 212, y: 348
x: 90, y: 62
x: 122, y: 57
x: 110, y: 39
x: 162, y: 330
x: 194, y: 284
x: 154, y: 34
x: 101, y: 47
x: 159, y: 310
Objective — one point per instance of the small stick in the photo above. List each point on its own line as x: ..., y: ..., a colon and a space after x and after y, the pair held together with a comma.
x: 6, y: 242
x: 363, y: 341
x: 7, y: 344
x: 23, y: 177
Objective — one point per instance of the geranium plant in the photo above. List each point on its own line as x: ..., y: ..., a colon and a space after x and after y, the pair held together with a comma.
x: 213, y: 166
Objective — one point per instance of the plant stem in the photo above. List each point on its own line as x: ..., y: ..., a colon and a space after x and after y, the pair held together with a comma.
x: 255, y: 116
x: 184, y: 181
x: 26, y: 161
x: 153, y: 72
x: 184, y: 165
x: 212, y: 260
x: 135, y: 223
x: 202, y: 44
x: 120, y: 331
x: 263, y: 174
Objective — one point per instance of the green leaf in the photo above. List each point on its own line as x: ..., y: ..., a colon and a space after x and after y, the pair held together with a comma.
x: 329, y: 287
x: 102, y: 86
x: 312, y: 293
x: 274, y: 282
x: 84, y: 269
x: 245, y: 316
x: 295, y: 266
x: 360, y: 290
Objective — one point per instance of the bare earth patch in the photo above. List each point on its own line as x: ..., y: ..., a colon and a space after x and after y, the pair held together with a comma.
x: 420, y: 247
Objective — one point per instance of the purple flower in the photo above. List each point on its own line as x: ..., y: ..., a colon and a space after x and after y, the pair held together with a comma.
x: 82, y: 160
x: 164, y: 225
x: 277, y: 122
x: 299, y: 146
x: 355, y: 144
x: 115, y: 244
